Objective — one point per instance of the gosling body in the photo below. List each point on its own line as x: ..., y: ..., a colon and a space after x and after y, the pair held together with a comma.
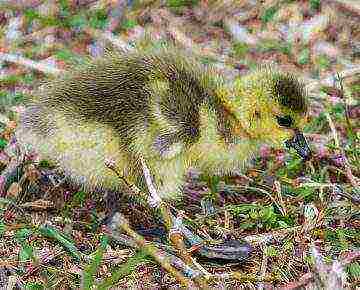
x: 165, y: 108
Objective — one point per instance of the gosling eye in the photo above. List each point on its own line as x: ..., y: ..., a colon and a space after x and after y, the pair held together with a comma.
x: 285, y: 121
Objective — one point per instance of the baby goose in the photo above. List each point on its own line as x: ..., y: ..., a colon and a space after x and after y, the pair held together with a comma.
x: 165, y: 108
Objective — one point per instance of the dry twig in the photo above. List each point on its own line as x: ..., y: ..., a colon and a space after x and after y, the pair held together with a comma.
x: 119, y: 221
x: 29, y: 63
x: 353, y: 180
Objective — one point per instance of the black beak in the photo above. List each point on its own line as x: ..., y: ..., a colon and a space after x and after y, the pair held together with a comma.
x: 298, y: 142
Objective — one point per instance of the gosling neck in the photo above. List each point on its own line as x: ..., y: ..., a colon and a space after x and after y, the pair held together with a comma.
x: 218, y: 150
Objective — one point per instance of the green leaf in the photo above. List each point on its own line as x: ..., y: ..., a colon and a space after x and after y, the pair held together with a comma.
x: 34, y: 286
x: 104, y: 241
x: 18, y: 97
x: 271, y: 251
x: 67, y: 243
x: 294, y: 165
x: 129, y: 24
x: 51, y: 21
x: 98, y: 19
x: 355, y: 89
x: 26, y: 253
x: 65, y: 55
x: 91, y: 270
x: 305, y: 192
x: 181, y: 3
x: 315, y: 4
x: 323, y: 62
x: 354, y: 270
x: 267, y: 213
x: 207, y: 60
x: 23, y: 234
x: 254, y: 214
x: 78, y: 21
x: 2, y: 228
x: 283, y: 224
x: 214, y: 184
x: 10, y: 80
x: 28, y: 78
x: 247, y: 225
x: 79, y: 198
x: 341, y: 239
x: 338, y: 110
x: 268, y: 45
x: 3, y: 143
x: 304, y: 56
x: 240, y: 49
x: 242, y: 208
x: 269, y: 14
x: 316, y: 124
x: 310, y: 260
x: 64, y: 8
x: 285, y: 221
x: 125, y: 270
x: 30, y: 15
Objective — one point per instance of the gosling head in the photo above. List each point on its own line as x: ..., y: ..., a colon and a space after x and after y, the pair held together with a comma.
x: 271, y: 108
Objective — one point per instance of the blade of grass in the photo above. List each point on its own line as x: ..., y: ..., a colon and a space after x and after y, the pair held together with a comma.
x: 89, y: 272
x: 126, y: 269
x: 69, y: 245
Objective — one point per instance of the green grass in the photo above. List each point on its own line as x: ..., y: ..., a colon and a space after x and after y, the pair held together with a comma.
x: 240, y: 49
x: 315, y: 4
x: 181, y: 3
x: 323, y: 62
x: 128, y: 24
x: 269, y: 14
x: 269, y: 45
x: 9, y: 99
x: 304, y: 56
x: 260, y: 216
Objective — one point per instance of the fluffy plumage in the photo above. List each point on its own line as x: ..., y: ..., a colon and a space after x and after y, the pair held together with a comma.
x: 165, y: 107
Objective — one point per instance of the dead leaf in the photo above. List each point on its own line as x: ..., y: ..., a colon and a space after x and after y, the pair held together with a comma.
x: 14, y: 190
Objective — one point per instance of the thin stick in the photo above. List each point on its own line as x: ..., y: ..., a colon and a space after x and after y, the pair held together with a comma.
x: 130, y: 186
x: 17, y: 59
x: 264, y: 238
x: 353, y: 180
x: 175, y: 232
x: 264, y: 192
x: 179, y: 264
x: 154, y: 196
x: 119, y: 221
x: 155, y: 200
x: 263, y: 267
x: 333, y: 130
x: 347, y: 114
x: 174, y: 225
x: 108, y: 36
x: 248, y: 277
